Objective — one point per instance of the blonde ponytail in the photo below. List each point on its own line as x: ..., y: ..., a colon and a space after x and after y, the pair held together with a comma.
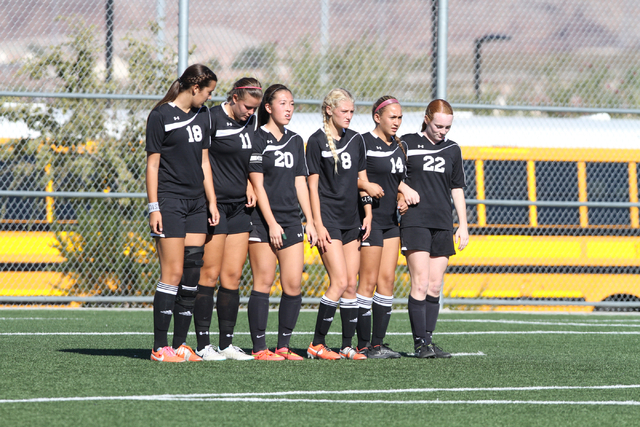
x: 333, y: 98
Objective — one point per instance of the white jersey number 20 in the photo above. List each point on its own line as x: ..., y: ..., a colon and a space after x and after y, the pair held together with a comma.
x: 283, y: 160
x: 429, y: 164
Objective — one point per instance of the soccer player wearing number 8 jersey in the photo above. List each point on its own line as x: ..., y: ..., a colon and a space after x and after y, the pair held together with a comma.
x: 178, y: 179
x: 337, y: 171
x: 232, y: 135
x: 435, y: 171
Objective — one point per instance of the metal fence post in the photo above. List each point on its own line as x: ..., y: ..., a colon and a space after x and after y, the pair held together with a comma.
x: 441, y: 88
x: 183, y: 37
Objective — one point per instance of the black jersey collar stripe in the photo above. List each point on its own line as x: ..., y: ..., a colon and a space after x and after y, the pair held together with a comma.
x: 339, y: 150
x: 414, y: 152
x: 172, y: 126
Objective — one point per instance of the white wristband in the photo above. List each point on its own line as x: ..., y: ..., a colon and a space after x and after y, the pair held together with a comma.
x: 154, y: 207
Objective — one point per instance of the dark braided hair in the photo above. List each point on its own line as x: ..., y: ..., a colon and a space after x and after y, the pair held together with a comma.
x: 195, y: 75
x: 375, y: 110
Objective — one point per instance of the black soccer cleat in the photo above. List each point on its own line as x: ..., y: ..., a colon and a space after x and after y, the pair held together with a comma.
x: 383, y: 351
x: 440, y: 353
x: 425, y: 351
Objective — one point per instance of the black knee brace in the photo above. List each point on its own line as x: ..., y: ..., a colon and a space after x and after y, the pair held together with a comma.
x: 190, y: 275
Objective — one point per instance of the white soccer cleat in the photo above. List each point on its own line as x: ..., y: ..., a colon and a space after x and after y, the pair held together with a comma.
x: 209, y: 353
x: 235, y: 353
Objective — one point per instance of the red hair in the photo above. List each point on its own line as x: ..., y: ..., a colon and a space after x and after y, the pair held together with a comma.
x: 436, y: 106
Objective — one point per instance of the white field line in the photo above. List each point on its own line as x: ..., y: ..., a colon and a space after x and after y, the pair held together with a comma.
x: 40, y: 318
x: 279, y: 396
x: 524, y: 322
x: 20, y: 334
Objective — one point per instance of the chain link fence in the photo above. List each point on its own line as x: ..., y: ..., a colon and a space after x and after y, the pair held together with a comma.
x: 546, y: 97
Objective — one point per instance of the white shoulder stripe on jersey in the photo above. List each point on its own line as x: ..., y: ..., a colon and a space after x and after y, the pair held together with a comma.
x: 178, y: 125
x: 373, y: 153
x: 228, y: 132
x: 276, y: 147
x: 415, y: 152
x: 340, y: 150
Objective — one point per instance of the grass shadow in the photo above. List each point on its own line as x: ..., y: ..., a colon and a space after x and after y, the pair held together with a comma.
x: 132, y: 353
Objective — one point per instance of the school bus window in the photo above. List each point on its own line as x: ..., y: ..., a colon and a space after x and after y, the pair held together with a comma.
x: 557, y: 182
x: 608, y: 182
x: 470, y: 192
x: 506, y: 180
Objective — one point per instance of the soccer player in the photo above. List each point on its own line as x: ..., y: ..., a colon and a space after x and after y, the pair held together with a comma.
x: 337, y: 171
x: 386, y: 166
x: 435, y: 171
x: 278, y: 173
x: 178, y: 179
x: 232, y: 139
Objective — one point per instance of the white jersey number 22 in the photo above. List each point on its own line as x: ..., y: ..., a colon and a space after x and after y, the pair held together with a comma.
x: 430, y: 166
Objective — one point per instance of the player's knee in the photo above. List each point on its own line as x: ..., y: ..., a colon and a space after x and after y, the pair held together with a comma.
x: 192, y: 264
x: 187, y: 296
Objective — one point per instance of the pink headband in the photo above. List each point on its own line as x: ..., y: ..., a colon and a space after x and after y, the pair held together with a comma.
x: 248, y: 87
x: 385, y: 103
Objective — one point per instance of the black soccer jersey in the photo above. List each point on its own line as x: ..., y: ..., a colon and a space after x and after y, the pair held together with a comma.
x: 280, y: 162
x: 386, y: 166
x: 179, y: 137
x: 338, y: 191
x: 432, y: 170
x: 231, y: 147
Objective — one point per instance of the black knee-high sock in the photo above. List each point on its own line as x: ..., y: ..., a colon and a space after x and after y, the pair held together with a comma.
x: 363, y: 327
x: 349, y: 317
x: 183, y: 312
x: 227, y: 308
x: 433, y: 309
x: 202, y: 314
x: 258, y: 312
x: 163, y: 302
x: 287, y: 318
x: 418, y: 318
x: 326, y: 311
x: 381, y: 309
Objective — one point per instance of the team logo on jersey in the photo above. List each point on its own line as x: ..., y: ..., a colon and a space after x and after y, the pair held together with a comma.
x: 378, y: 147
x: 420, y: 146
x: 269, y: 141
x: 176, y: 117
x: 229, y: 124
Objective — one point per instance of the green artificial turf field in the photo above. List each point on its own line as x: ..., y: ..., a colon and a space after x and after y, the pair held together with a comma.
x: 92, y: 367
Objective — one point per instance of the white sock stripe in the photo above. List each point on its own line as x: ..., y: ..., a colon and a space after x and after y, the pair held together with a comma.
x: 364, y: 302
x: 166, y: 289
x: 382, y: 300
x: 326, y: 301
x: 190, y: 288
x: 348, y: 303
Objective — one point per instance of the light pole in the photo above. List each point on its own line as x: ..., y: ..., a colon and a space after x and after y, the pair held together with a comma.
x: 477, y: 57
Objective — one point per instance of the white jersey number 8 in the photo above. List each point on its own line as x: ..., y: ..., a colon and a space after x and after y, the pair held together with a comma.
x: 195, y: 133
x: 429, y: 164
x: 345, y: 160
